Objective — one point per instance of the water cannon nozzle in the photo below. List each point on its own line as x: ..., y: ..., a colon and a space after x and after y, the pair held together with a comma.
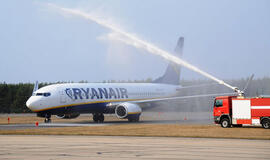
x: 236, y: 89
x: 239, y: 92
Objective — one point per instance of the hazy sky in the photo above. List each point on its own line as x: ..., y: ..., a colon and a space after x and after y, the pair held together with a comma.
x: 227, y: 38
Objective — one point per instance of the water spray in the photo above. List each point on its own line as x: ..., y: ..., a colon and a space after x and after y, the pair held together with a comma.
x: 133, y: 40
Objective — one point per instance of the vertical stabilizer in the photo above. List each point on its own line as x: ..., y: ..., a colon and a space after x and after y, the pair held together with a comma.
x: 172, y: 73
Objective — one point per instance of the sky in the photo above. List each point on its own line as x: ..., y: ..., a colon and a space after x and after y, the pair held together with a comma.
x: 228, y: 39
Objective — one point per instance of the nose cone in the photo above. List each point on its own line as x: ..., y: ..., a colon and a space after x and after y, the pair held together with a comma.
x: 30, y: 103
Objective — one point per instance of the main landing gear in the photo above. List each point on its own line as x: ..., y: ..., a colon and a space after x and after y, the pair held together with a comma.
x: 98, y: 117
x: 134, y: 118
x: 47, y: 118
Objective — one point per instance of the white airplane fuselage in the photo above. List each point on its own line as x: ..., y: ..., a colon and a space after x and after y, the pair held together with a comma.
x: 94, y: 97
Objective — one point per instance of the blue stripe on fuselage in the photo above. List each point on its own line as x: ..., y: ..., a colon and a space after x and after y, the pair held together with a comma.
x: 82, y: 108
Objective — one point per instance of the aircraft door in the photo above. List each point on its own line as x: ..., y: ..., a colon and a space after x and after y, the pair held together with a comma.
x: 63, y: 96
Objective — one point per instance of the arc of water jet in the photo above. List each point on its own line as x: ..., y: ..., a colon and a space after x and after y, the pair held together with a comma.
x: 139, y: 43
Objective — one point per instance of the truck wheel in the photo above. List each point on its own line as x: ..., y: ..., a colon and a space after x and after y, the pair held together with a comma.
x: 225, y: 123
x: 266, y: 123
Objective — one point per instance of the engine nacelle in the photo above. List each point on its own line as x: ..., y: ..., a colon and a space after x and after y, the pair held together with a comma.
x: 124, y: 110
x: 68, y: 116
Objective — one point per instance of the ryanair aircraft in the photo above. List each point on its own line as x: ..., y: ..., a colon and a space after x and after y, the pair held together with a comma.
x: 69, y: 100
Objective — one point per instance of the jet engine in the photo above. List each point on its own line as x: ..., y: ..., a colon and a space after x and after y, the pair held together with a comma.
x: 125, y: 110
x: 68, y: 116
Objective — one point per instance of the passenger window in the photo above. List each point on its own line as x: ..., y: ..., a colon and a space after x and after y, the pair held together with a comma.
x: 219, y: 103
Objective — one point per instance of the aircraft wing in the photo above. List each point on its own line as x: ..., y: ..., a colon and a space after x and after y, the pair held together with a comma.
x: 182, y: 97
x: 170, y: 98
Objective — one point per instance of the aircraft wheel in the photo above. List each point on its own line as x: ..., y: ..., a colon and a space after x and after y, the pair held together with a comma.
x: 101, y: 118
x: 95, y: 118
x: 98, y: 117
x: 134, y: 119
x: 47, y: 120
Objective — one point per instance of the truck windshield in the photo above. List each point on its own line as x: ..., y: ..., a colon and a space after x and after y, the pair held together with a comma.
x: 218, y: 103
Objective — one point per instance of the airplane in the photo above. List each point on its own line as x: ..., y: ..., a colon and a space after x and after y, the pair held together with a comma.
x: 125, y: 100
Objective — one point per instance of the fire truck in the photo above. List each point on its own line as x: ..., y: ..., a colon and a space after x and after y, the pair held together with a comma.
x: 238, y: 110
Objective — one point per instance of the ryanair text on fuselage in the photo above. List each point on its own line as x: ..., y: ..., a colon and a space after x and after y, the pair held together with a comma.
x: 96, y: 93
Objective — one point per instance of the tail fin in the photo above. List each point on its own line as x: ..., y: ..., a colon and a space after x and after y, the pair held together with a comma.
x: 172, y: 74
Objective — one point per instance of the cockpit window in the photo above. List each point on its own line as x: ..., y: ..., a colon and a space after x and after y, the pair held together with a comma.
x: 46, y: 94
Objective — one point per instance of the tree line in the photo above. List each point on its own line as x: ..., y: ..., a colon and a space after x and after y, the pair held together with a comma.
x: 14, y: 96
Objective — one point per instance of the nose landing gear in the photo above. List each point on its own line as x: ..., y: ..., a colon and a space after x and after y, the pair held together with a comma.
x: 47, y: 118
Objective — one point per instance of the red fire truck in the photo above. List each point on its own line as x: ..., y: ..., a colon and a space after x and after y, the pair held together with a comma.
x: 236, y: 111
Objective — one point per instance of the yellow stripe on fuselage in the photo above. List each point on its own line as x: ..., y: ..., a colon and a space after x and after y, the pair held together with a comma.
x: 134, y: 112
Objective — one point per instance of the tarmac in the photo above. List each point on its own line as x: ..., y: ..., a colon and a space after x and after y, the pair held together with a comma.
x: 129, y: 147
x: 146, y: 118
x: 47, y: 125
x: 115, y: 147
x: 86, y: 124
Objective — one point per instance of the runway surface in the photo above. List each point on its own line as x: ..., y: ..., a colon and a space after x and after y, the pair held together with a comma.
x: 89, y: 124
x: 107, y: 147
x: 86, y: 120
x: 47, y: 125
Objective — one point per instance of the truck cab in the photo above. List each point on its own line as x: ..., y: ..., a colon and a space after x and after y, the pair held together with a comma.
x: 222, y: 111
